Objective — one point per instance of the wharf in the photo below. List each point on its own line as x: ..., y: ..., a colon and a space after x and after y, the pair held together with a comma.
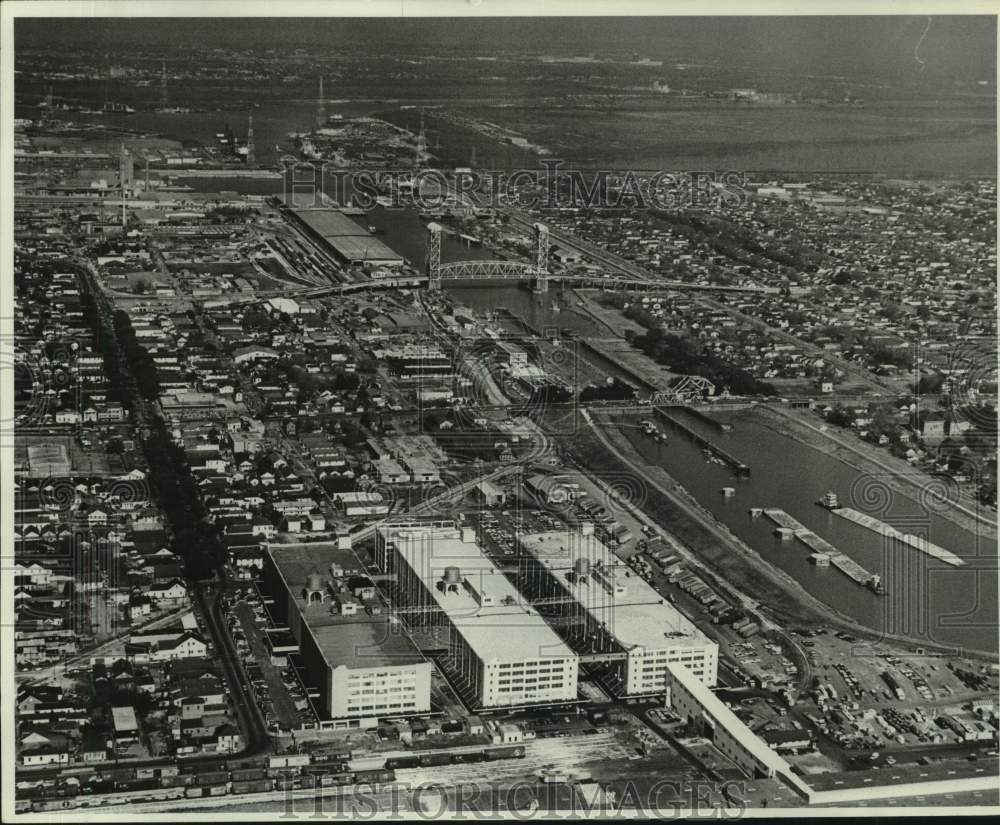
x: 891, y: 532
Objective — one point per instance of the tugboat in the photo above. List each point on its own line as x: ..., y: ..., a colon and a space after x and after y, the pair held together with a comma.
x: 118, y: 108
x: 829, y: 501
x: 875, y: 585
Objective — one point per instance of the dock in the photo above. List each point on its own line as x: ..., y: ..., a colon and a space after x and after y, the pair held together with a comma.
x: 818, y: 546
x: 737, y: 466
x: 887, y: 530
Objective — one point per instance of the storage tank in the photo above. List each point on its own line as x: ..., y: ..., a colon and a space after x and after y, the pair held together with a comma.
x: 581, y: 567
x: 452, y: 575
x: 314, y: 581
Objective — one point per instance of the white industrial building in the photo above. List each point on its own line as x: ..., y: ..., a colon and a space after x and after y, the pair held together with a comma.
x: 608, y: 611
x: 363, y: 668
x: 500, y: 650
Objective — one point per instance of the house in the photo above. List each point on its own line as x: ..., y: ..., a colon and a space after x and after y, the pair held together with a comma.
x: 184, y: 647
x: 252, y: 353
x: 228, y: 739
x: 94, y: 747
x: 490, y: 494
x: 138, y: 607
x: 262, y: 527
x: 125, y: 725
x: 170, y: 593
x: 45, y: 755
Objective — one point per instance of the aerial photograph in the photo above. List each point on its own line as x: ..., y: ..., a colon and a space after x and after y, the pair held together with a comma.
x: 524, y: 417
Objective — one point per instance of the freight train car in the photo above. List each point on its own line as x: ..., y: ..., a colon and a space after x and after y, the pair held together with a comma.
x: 374, y: 777
x: 397, y: 762
x: 511, y: 752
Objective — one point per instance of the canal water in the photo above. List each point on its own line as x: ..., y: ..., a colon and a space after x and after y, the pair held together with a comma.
x: 926, y: 598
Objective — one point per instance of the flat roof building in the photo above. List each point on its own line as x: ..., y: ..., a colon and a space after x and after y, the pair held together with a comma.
x: 350, y: 241
x: 500, y: 650
x: 363, y: 666
x: 606, y: 611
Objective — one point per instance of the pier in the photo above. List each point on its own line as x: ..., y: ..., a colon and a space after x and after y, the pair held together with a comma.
x: 737, y: 466
x: 819, y: 546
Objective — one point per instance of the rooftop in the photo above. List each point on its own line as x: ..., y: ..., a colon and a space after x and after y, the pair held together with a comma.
x: 124, y: 719
x: 350, y: 239
x: 633, y: 611
x: 484, y: 607
x: 356, y: 641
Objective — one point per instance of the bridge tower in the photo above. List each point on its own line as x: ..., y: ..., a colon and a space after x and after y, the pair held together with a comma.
x: 541, y: 258
x: 432, y: 260
x: 163, y: 86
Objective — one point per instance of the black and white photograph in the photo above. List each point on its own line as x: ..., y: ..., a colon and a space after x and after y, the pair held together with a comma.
x: 498, y: 410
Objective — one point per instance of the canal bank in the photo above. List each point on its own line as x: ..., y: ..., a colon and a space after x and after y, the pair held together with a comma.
x: 893, y: 472
x: 813, y: 602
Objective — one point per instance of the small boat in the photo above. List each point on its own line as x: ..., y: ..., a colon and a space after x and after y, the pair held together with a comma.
x: 118, y: 108
x: 875, y: 585
x: 829, y: 501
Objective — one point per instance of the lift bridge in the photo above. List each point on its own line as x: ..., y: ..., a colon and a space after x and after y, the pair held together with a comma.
x: 538, y: 270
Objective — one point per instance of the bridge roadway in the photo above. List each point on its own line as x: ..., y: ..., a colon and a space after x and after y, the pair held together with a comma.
x: 591, y: 281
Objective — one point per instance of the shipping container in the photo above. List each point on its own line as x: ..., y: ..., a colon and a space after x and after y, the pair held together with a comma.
x: 195, y: 792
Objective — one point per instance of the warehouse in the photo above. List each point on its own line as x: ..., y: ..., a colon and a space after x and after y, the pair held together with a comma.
x: 350, y: 241
x: 501, y: 652
x: 696, y: 704
x: 607, y: 611
x: 363, y: 668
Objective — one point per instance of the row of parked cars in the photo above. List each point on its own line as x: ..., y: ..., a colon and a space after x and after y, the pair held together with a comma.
x: 255, y: 669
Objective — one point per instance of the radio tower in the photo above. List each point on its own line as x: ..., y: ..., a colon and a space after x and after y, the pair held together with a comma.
x: 320, y: 106
x: 163, y: 85
x: 421, y: 148
x: 250, y: 153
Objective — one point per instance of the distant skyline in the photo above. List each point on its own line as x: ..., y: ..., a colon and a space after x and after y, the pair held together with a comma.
x: 911, y: 48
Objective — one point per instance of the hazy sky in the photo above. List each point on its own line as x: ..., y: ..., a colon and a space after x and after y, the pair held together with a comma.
x: 960, y: 47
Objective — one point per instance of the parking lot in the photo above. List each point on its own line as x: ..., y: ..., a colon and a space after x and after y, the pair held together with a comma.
x: 277, y: 690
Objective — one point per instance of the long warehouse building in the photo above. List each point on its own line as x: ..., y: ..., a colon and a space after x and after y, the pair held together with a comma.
x: 351, y: 242
x: 363, y: 667
x: 500, y: 649
x: 608, y: 611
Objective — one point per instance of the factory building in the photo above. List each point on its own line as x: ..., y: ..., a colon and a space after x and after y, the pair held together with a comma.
x: 604, y: 610
x: 501, y: 652
x: 363, y: 667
